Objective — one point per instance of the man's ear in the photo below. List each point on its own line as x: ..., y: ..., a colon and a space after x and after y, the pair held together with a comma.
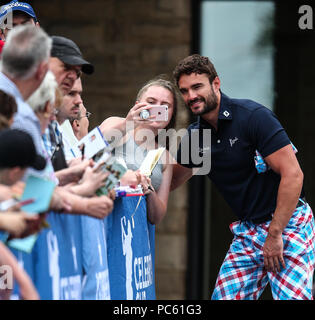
x: 42, y: 70
x: 47, y: 112
x: 216, y: 84
x: 15, y: 174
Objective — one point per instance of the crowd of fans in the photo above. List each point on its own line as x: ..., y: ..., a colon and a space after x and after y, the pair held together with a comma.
x: 40, y: 88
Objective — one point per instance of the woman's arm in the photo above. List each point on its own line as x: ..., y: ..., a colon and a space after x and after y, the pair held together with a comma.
x: 27, y: 288
x: 117, y: 128
x: 157, y: 201
x: 113, y: 123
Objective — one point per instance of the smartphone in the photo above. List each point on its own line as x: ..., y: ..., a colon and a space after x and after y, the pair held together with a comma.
x: 159, y: 111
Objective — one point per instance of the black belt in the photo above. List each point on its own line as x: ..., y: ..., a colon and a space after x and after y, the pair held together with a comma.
x: 268, y: 217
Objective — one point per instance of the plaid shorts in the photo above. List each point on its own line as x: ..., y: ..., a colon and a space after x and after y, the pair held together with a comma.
x: 242, y: 275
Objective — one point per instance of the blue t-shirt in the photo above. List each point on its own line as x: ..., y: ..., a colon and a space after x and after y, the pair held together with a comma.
x: 244, y: 126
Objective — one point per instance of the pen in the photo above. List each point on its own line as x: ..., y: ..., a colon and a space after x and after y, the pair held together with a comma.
x: 5, y: 205
x: 25, y: 202
x: 83, y: 148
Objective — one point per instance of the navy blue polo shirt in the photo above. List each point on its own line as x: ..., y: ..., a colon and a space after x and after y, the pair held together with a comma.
x: 243, y: 127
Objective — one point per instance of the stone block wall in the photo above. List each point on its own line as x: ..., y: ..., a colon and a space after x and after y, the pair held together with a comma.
x: 130, y: 42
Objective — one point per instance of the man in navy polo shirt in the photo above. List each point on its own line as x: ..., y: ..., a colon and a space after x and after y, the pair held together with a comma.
x: 274, y: 238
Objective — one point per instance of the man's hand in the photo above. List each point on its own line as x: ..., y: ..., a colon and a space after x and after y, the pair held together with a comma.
x: 73, y: 173
x: 131, y: 178
x: 59, y: 202
x: 78, y: 170
x: 273, y: 253
x: 18, y: 188
x: 20, y: 224
x: 8, y: 192
x: 99, y: 207
x: 92, y: 180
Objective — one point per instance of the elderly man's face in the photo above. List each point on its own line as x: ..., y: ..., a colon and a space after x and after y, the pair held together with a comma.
x: 65, y: 74
x: 72, y: 101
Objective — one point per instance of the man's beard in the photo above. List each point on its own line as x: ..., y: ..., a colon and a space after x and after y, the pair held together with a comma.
x: 74, y: 112
x: 62, y: 114
x: 210, y: 103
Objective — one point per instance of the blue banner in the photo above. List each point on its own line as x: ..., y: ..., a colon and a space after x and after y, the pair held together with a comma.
x: 131, y: 250
x: 55, y: 263
x: 57, y: 258
x: 94, y: 257
x: 81, y: 257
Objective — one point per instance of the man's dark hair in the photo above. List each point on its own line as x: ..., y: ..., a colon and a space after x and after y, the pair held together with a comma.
x: 22, y: 14
x: 195, y: 64
x: 8, y: 105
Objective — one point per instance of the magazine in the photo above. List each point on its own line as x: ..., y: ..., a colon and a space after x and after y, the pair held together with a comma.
x: 40, y: 192
x: 150, y: 161
x: 116, y: 171
x: 91, y: 146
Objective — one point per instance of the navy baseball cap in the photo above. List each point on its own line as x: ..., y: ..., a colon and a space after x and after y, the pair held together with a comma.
x: 18, y: 150
x: 18, y: 6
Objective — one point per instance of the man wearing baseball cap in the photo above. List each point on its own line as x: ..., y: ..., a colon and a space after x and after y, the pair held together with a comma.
x: 16, y: 13
x: 67, y: 63
x: 18, y: 152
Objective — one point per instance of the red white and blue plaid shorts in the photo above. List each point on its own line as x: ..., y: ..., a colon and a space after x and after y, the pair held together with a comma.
x: 242, y: 275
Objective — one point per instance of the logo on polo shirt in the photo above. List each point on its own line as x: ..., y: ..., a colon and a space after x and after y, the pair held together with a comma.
x: 226, y: 113
x: 232, y: 141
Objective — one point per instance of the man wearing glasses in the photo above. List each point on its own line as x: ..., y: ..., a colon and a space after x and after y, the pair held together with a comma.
x: 80, y: 125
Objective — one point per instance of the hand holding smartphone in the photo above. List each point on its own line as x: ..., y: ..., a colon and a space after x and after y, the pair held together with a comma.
x: 159, y: 111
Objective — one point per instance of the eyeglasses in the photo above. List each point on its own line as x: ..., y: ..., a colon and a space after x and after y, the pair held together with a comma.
x: 68, y: 68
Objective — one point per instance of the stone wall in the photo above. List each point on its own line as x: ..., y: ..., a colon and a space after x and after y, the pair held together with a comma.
x: 130, y: 42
